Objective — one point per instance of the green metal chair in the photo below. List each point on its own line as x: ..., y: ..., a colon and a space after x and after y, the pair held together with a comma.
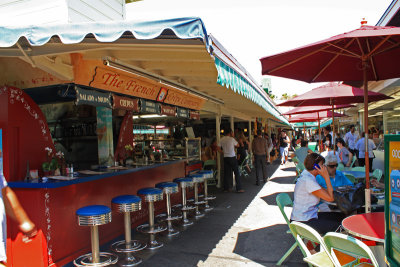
x: 350, y: 177
x: 377, y: 174
x: 349, y: 246
x: 358, y: 169
x: 353, y: 161
x: 322, y: 258
x: 295, y: 160
x: 340, y: 167
x: 283, y: 200
x: 299, y: 169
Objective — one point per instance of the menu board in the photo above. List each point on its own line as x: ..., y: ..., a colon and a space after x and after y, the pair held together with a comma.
x: 392, y: 199
x: 182, y: 113
x: 91, y: 97
x: 149, y: 107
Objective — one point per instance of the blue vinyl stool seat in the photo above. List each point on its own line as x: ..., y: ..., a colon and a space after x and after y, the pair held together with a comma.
x: 94, y: 216
x: 197, y: 179
x: 185, y: 182
x: 207, y: 175
x: 126, y: 204
x: 150, y: 195
x: 168, y: 189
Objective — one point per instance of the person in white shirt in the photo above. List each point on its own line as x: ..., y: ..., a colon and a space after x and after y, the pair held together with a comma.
x: 228, y: 145
x: 307, y: 196
x: 360, y: 146
x: 351, y: 138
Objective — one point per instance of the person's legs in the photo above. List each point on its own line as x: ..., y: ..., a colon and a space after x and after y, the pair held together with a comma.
x: 286, y: 154
x: 361, y: 162
x: 326, y: 222
x: 235, y: 168
x: 264, y: 167
x: 370, y: 164
x: 282, y: 152
x: 227, y: 174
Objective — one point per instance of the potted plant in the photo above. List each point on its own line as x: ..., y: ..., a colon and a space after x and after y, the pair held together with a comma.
x: 53, y: 163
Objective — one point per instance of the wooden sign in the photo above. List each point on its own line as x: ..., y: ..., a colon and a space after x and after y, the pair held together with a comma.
x: 168, y: 110
x: 194, y: 115
x: 182, y: 113
x: 91, y: 97
x: 149, y: 107
x: 126, y: 103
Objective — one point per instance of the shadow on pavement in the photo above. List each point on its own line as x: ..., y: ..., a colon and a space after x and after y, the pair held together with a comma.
x: 271, y: 199
x: 290, y: 169
x: 283, y: 179
x: 255, y: 245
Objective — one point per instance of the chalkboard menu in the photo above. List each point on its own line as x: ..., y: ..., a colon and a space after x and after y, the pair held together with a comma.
x: 182, y: 113
x: 149, y: 107
x: 91, y: 97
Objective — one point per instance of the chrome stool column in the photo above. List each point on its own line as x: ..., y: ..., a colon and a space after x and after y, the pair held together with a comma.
x: 151, y: 195
x: 94, y: 216
x: 207, y: 175
x: 126, y: 204
x: 197, y: 178
x: 185, y: 182
x: 168, y: 189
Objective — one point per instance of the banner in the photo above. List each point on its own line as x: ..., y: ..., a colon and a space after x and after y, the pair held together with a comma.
x: 182, y: 113
x: 126, y: 103
x: 168, y: 110
x: 91, y: 97
x: 194, y: 115
x: 149, y: 107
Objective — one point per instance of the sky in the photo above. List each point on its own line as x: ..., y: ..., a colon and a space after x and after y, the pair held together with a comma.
x: 252, y: 29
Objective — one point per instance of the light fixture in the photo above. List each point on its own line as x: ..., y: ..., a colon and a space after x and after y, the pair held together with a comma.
x: 245, y: 130
x: 397, y: 108
x: 222, y: 131
x: 146, y: 116
x: 142, y: 73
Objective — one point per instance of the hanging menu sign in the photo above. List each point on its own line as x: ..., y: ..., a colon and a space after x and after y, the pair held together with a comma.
x: 195, y: 115
x: 182, y: 113
x: 126, y: 103
x: 91, y: 97
x: 149, y: 107
x: 168, y: 110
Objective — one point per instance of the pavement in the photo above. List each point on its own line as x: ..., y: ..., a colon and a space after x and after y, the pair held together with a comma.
x: 243, y: 229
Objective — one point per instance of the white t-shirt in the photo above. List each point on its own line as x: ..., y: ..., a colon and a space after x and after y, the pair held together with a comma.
x: 360, y: 146
x: 305, y: 204
x: 228, y: 144
x: 351, y: 139
x: 3, y: 230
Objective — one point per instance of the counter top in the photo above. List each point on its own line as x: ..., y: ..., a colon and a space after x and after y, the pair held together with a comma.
x: 81, y: 178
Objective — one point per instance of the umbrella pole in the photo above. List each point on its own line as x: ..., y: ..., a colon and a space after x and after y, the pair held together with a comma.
x: 319, y: 132
x: 367, y: 190
x: 333, y: 122
x: 304, y: 130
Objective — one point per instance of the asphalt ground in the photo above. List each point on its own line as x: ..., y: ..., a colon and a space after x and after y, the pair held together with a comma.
x: 243, y: 229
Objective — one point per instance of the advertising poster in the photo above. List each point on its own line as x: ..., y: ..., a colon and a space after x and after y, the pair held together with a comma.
x: 105, y: 136
x: 392, y: 198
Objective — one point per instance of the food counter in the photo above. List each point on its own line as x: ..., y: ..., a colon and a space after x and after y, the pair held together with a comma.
x: 52, y: 206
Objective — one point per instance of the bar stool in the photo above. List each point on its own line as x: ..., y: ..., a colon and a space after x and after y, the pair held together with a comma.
x: 168, y: 189
x: 94, y: 216
x: 151, y: 195
x: 126, y: 204
x: 185, y: 182
x: 197, y: 179
x: 207, y: 175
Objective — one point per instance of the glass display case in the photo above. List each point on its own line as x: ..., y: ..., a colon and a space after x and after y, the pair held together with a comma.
x: 167, y: 149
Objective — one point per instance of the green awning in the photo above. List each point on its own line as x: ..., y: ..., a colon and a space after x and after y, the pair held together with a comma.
x: 326, y: 123
x: 307, y: 124
x: 229, y: 78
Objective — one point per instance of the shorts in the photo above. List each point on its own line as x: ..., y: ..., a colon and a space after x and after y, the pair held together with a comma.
x: 284, y: 151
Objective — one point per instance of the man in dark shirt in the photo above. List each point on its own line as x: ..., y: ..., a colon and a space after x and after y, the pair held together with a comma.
x: 260, y: 149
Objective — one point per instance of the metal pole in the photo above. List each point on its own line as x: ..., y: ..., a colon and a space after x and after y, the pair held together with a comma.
x: 94, y: 235
x: 151, y: 220
x: 167, y: 195
x: 367, y: 190
x: 184, y: 203
x: 127, y: 225
x: 333, y: 122
x: 218, y: 137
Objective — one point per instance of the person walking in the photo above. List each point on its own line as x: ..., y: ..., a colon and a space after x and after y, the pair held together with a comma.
x: 260, y: 149
x: 360, y: 146
x: 351, y: 138
x: 228, y: 145
x: 284, y: 142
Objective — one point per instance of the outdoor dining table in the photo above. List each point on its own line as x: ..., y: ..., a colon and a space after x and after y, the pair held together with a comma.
x: 369, y: 226
x: 357, y: 174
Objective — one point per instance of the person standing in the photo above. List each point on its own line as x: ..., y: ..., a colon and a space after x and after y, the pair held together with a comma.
x: 284, y: 142
x: 351, y: 138
x: 260, y: 150
x: 360, y: 146
x: 228, y: 145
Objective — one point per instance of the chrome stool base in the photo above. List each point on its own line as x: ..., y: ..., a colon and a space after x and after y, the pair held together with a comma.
x: 171, y: 232
x: 122, y: 246
x: 154, y: 244
x: 208, y: 208
x: 157, y: 228
x: 199, y: 215
x: 129, y: 261
x: 186, y: 222
x: 87, y: 260
x: 210, y: 197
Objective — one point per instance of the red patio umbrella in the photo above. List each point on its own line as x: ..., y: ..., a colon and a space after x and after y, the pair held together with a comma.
x: 365, y: 54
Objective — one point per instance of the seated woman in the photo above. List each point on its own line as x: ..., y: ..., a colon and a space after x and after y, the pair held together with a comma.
x: 345, y: 156
x: 308, y: 193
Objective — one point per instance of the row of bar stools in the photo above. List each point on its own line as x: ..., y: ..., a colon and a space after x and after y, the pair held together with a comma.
x: 207, y: 174
x: 185, y: 182
x: 94, y: 216
x: 168, y: 189
x: 126, y: 204
x: 151, y: 195
x: 197, y: 179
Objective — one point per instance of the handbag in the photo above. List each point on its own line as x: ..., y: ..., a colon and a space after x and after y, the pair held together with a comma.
x: 349, y: 199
